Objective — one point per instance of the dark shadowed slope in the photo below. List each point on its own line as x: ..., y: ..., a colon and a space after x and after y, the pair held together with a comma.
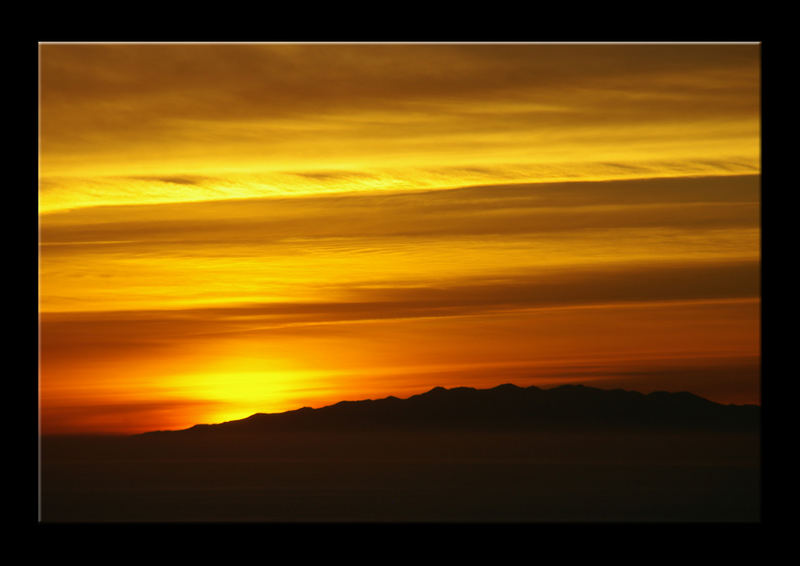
x: 505, y: 407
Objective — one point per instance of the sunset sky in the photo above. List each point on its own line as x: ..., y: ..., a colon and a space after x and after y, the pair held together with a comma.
x: 228, y: 229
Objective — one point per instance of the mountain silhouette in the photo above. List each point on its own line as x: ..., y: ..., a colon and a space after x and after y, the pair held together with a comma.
x: 505, y: 407
x: 507, y: 454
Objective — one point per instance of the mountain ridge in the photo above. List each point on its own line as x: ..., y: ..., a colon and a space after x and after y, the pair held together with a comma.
x: 503, y: 407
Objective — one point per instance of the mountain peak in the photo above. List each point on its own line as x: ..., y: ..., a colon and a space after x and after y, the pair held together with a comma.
x: 506, y: 387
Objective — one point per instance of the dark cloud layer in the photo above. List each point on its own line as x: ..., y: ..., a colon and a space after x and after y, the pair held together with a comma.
x: 92, y: 92
x: 272, y: 78
x: 155, y: 329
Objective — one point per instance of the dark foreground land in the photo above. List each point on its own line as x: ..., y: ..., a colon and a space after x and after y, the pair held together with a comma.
x: 501, y: 455
x: 492, y: 477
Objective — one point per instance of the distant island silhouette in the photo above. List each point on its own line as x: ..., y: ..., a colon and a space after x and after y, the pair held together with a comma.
x: 505, y: 407
x: 504, y: 454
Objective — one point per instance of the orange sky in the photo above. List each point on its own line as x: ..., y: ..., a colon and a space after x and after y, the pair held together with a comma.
x: 236, y: 228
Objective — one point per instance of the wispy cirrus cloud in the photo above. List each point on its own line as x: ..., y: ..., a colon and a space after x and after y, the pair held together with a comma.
x: 293, y: 249
x: 696, y: 203
x: 391, y: 113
